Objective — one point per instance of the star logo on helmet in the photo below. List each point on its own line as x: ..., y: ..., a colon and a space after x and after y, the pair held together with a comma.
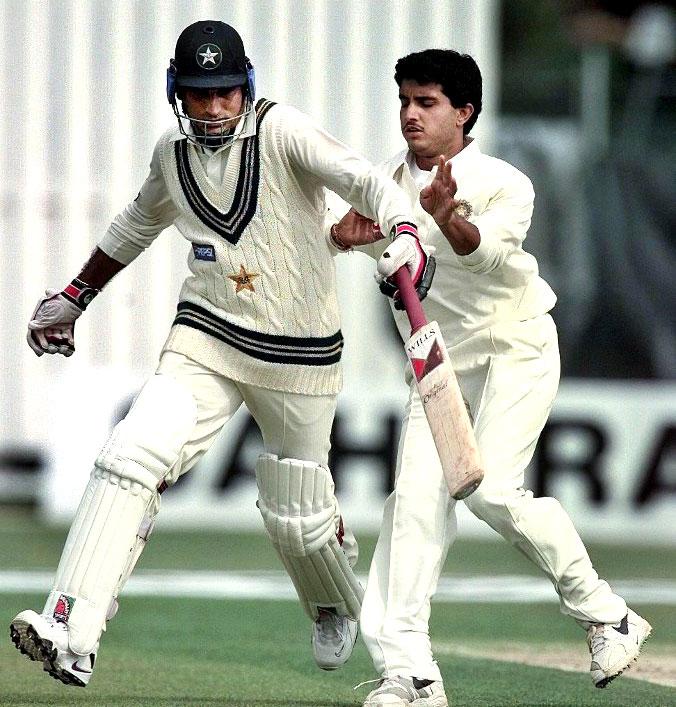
x: 209, y: 56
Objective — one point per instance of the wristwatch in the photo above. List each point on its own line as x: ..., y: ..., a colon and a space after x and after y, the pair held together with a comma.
x: 463, y: 209
x: 80, y: 293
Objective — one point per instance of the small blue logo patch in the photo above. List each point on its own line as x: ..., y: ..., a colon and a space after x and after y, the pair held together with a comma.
x: 204, y: 252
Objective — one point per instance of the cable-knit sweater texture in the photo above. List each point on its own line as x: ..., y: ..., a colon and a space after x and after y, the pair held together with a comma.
x: 260, y: 305
x: 293, y: 292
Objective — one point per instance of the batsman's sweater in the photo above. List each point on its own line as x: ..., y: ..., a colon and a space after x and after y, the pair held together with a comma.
x: 260, y: 306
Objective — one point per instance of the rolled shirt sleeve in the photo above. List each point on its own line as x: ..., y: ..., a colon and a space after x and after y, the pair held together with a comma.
x: 137, y: 226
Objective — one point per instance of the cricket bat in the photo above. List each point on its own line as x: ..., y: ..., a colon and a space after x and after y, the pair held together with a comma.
x: 440, y: 394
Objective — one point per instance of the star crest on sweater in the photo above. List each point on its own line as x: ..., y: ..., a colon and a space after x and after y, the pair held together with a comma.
x: 243, y: 281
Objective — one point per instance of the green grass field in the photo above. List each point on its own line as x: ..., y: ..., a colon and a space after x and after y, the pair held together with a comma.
x: 191, y: 651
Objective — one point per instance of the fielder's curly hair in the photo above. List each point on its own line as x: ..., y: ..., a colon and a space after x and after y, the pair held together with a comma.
x: 457, y: 73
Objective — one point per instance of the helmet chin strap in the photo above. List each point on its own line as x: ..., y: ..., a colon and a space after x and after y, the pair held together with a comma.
x: 190, y: 128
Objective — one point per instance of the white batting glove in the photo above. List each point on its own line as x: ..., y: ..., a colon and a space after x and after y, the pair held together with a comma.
x: 407, y: 250
x: 52, y: 327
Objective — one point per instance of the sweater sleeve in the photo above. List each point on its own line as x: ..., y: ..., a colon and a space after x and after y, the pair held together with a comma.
x: 342, y: 170
x: 137, y: 226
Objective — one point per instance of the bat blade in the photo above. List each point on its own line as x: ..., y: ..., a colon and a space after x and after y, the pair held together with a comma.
x: 445, y: 410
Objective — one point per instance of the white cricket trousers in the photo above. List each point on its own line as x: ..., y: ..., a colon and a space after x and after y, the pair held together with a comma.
x: 172, y: 422
x: 181, y: 409
x: 292, y: 425
x: 509, y: 375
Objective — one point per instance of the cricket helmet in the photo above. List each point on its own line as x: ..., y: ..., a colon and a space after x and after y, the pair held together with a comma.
x: 208, y: 54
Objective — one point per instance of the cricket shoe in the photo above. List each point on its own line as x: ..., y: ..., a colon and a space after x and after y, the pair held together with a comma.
x: 43, y: 638
x: 399, y: 692
x: 333, y: 638
x: 614, y: 647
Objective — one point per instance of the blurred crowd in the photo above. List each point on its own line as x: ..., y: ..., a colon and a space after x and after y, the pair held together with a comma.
x: 597, y: 79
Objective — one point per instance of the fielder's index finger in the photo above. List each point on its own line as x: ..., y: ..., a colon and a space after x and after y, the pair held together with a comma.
x: 440, y: 176
x: 448, y: 177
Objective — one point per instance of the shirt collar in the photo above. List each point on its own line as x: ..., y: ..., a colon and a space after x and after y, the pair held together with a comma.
x: 467, y: 154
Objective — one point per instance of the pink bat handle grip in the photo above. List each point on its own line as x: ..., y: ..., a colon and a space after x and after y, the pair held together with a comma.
x: 414, y: 310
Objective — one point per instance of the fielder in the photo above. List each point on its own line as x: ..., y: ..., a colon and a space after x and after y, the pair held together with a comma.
x: 492, y: 307
x: 257, y: 323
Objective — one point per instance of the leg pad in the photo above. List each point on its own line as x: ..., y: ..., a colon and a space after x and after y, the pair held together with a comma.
x: 296, y: 499
x: 101, y: 541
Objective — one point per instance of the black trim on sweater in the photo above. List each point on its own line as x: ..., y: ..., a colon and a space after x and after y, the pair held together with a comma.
x: 274, y: 348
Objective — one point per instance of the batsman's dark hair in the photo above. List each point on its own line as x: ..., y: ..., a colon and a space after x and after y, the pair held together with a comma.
x: 457, y: 73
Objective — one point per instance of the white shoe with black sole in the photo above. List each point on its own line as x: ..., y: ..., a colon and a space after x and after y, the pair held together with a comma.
x: 614, y: 647
x: 333, y: 638
x: 401, y: 692
x: 44, y: 639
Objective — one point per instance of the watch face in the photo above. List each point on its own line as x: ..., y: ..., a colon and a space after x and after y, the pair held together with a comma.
x: 463, y: 209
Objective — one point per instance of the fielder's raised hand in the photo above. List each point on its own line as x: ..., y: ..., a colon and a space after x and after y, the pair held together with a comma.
x: 449, y: 213
x: 52, y: 327
x: 407, y: 250
x: 438, y: 197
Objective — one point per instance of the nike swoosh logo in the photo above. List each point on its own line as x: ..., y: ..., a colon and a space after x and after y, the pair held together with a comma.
x: 623, y: 628
x: 75, y: 666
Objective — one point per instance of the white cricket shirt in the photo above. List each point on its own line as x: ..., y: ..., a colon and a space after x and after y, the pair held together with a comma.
x: 499, y: 281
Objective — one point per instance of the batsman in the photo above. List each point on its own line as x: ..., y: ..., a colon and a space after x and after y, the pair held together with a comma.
x: 257, y: 323
x: 493, y: 310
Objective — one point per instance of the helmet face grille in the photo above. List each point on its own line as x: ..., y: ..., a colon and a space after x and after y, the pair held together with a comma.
x: 202, y: 133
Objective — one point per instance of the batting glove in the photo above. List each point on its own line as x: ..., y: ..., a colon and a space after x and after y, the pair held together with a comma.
x: 406, y: 249
x: 52, y: 327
